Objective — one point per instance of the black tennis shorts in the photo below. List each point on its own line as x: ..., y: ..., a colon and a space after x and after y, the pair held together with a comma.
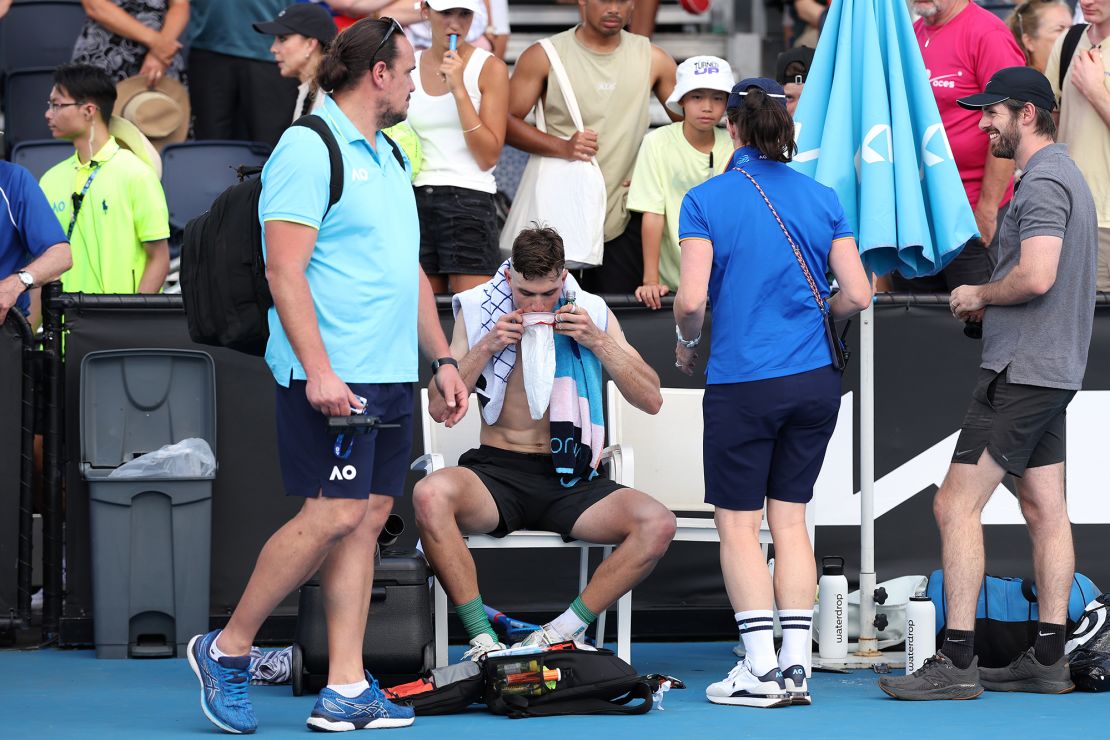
x: 528, y: 493
x: 1021, y: 426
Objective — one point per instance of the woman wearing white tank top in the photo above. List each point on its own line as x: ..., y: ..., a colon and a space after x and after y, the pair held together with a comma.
x: 459, y: 110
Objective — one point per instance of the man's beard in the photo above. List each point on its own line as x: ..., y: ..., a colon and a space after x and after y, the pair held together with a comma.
x: 1005, y: 146
x: 927, y: 9
x: 391, y: 116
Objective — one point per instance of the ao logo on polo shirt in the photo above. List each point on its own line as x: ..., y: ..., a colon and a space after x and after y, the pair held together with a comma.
x: 360, y: 174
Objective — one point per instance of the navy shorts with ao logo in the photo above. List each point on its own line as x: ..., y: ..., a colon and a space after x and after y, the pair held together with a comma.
x: 378, y: 460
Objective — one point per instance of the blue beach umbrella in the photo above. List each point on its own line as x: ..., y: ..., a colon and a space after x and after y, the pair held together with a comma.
x: 868, y: 127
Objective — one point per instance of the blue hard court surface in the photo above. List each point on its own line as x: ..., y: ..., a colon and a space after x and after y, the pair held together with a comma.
x: 70, y: 694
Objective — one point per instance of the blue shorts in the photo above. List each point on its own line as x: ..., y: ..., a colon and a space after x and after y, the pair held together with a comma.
x: 378, y: 461
x: 767, y: 438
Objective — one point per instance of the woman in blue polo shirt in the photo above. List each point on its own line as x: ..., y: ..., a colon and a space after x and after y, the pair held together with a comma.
x: 772, y: 394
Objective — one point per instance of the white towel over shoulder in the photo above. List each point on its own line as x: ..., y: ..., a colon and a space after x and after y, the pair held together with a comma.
x: 482, y: 306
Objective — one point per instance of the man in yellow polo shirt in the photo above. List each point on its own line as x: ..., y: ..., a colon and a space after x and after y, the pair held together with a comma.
x: 108, y: 199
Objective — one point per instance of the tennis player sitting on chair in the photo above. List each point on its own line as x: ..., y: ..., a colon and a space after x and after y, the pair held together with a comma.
x: 532, y: 345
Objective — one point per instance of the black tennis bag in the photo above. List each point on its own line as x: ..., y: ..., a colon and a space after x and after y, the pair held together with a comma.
x: 573, y: 682
x: 1089, y: 647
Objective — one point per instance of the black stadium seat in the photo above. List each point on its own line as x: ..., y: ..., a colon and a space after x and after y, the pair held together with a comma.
x: 25, y: 94
x: 39, y: 155
x: 195, y: 172
x: 39, y: 33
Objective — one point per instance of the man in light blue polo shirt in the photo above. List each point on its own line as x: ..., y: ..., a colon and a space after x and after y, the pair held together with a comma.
x: 350, y: 306
x: 33, y: 247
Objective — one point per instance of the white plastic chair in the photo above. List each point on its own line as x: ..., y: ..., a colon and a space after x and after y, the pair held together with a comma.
x: 442, y: 448
x: 662, y: 456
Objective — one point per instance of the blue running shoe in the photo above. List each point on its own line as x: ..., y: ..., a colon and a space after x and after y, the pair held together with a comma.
x: 370, y: 710
x: 223, y: 686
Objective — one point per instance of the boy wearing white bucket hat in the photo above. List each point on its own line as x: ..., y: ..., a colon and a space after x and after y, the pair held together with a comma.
x: 672, y: 160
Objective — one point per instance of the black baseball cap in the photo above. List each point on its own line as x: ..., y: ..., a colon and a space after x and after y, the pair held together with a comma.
x: 800, y: 55
x: 1013, y: 83
x: 308, y: 19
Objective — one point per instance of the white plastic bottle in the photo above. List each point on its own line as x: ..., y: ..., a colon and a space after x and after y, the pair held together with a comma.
x: 921, y: 631
x: 832, y: 618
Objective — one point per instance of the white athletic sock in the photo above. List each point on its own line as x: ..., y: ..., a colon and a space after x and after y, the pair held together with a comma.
x: 569, y: 625
x: 215, y: 653
x: 757, y: 630
x: 350, y: 690
x: 797, y: 640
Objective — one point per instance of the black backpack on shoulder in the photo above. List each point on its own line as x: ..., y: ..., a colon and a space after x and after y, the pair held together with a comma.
x: 223, y: 273
x: 590, y: 682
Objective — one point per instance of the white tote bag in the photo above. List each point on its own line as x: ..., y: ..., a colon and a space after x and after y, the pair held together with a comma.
x: 569, y: 196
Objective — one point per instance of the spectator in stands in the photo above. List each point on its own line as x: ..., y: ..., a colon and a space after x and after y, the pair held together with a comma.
x: 643, y: 18
x: 791, y: 70
x: 772, y: 394
x: 522, y: 475
x: 674, y: 159
x: 458, y: 109
x: 499, y: 28
x: 963, y: 45
x: 1035, y: 25
x: 351, y: 311
x: 812, y: 14
x: 410, y: 15
x: 134, y: 37
x: 236, y: 89
x: 108, y: 198
x: 610, y: 70
x: 1082, y: 88
x: 302, y: 33
x: 33, y: 247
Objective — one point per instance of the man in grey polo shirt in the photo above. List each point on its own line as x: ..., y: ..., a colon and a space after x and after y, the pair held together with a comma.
x: 1037, y: 313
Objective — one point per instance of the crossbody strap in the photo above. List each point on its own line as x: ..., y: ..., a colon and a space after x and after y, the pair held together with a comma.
x: 821, y: 305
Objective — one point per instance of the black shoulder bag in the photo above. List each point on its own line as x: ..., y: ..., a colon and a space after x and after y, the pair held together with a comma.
x: 837, y: 345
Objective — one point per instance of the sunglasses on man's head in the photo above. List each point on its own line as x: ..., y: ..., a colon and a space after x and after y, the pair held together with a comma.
x: 394, y: 27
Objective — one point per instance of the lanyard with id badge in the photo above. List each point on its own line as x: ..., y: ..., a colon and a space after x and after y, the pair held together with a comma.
x: 346, y: 428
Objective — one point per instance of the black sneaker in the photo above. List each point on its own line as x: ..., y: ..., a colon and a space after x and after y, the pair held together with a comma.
x: 1026, y: 673
x: 938, y: 678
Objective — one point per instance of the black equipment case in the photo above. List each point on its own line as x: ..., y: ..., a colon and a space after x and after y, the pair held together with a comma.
x: 400, y: 640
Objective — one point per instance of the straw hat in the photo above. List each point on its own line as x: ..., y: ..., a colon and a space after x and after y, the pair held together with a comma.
x: 161, y: 112
x: 129, y: 137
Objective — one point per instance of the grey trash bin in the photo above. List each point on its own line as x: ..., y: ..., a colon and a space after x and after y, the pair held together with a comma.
x: 150, y: 536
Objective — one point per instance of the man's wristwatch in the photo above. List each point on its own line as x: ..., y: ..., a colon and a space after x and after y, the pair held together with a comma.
x: 26, y: 278
x: 437, y: 364
x: 687, y: 343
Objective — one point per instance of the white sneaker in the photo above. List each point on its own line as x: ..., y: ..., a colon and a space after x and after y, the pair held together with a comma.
x: 547, y: 635
x: 481, y: 645
x: 796, y: 685
x: 743, y: 688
